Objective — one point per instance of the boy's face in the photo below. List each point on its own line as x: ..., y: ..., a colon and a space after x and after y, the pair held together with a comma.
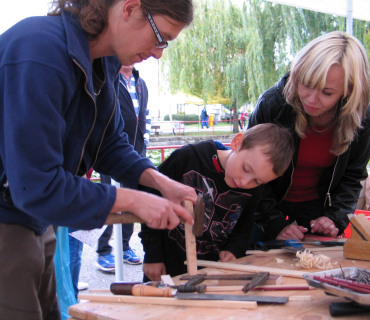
x: 247, y: 168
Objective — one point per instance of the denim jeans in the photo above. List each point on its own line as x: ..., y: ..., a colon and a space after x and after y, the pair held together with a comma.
x: 75, y: 253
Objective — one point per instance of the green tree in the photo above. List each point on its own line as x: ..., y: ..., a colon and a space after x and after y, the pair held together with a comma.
x: 237, y: 53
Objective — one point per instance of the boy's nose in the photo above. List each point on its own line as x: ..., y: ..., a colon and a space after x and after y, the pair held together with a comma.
x: 245, y: 182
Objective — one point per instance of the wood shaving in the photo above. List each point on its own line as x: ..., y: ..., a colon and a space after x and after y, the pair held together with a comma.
x: 308, y: 260
x: 279, y: 260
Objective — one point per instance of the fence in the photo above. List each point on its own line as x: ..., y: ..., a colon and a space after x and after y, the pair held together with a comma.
x: 162, y: 148
x: 181, y: 128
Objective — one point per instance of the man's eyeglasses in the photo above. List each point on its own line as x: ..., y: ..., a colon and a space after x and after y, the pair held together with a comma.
x: 160, y: 44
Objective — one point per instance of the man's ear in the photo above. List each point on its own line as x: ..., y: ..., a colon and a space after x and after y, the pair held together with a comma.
x: 129, y: 7
x: 237, y: 142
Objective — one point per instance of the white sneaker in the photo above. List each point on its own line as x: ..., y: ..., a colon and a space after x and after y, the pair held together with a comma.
x: 82, y: 286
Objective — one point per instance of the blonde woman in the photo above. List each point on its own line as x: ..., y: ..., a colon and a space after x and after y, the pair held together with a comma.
x: 324, y: 101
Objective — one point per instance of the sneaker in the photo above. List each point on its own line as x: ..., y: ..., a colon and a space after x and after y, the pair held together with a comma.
x: 82, y: 286
x: 106, y: 263
x: 130, y: 257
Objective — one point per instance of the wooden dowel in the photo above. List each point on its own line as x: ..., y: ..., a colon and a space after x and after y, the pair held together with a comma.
x: 250, y: 268
x: 250, y: 305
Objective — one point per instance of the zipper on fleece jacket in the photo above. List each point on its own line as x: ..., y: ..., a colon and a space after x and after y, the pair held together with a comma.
x: 328, y: 196
x: 114, y: 108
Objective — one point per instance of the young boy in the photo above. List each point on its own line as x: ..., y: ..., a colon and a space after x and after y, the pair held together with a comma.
x: 231, y: 183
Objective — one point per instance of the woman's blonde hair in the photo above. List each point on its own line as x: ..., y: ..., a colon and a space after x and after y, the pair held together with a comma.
x: 310, y: 68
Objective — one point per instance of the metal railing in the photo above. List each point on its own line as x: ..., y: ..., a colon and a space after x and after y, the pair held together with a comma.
x: 186, y: 127
x: 162, y: 148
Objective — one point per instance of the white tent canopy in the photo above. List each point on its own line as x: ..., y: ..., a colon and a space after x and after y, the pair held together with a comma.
x: 357, y: 9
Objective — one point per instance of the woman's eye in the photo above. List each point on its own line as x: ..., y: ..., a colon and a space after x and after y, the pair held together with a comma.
x: 327, y: 93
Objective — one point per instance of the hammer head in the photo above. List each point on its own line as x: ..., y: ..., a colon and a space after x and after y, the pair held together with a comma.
x: 199, y: 216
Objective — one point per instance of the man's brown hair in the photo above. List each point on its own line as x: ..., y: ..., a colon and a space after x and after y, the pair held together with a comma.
x: 276, y: 142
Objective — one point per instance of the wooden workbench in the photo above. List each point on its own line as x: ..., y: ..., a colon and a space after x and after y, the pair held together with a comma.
x: 315, y: 309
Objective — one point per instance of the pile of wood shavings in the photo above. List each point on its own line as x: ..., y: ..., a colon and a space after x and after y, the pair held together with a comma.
x: 308, y: 260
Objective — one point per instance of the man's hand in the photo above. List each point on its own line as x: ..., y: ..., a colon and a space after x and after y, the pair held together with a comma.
x: 292, y: 232
x: 226, y: 256
x: 170, y: 189
x: 154, y: 270
x: 157, y: 212
x: 325, y: 226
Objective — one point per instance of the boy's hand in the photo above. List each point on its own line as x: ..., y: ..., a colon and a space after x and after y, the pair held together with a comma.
x: 226, y: 256
x: 292, y: 232
x: 154, y: 270
x: 324, y: 225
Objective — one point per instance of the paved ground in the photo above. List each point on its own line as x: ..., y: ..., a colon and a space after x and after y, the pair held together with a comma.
x: 98, y: 279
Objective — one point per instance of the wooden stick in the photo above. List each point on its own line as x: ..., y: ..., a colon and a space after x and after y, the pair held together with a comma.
x: 300, y: 298
x: 251, y: 305
x: 276, y: 251
x: 250, y: 268
x: 260, y: 288
x: 190, y: 242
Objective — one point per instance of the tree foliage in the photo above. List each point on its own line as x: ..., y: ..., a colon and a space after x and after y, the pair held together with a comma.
x: 237, y: 53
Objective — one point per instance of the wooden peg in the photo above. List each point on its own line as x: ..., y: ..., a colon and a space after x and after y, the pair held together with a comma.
x: 191, y: 246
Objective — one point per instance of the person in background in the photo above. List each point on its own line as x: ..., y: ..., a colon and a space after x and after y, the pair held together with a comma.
x: 204, y: 118
x: 324, y: 101
x: 133, y: 99
x: 75, y: 253
x: 242, y: 118
x: 65, y: 67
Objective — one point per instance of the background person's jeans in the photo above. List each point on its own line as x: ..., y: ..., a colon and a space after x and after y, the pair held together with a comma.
x: 75, y: 252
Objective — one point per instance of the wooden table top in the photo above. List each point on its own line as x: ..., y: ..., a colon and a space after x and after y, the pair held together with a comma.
x: 315, y: 309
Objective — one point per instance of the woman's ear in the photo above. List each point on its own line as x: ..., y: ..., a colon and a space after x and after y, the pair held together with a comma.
x: 237, y: 142
x: 129, y: 6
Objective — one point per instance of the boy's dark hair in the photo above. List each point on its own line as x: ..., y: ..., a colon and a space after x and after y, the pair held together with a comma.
x: 93, y: 14
x: 277, y: 143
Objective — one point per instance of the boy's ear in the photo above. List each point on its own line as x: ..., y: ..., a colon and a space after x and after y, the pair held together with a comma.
x: 237, y: 142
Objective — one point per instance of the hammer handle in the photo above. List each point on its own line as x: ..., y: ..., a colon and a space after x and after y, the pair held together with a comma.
x: 123, y: 218
x: 149, y: 291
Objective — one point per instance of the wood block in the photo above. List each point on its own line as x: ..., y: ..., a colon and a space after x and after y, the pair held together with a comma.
x: 190, y: 242
x: 357, y: 249
x: 166, y: 279
x: 354, y: 234
x: 362, y: 224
